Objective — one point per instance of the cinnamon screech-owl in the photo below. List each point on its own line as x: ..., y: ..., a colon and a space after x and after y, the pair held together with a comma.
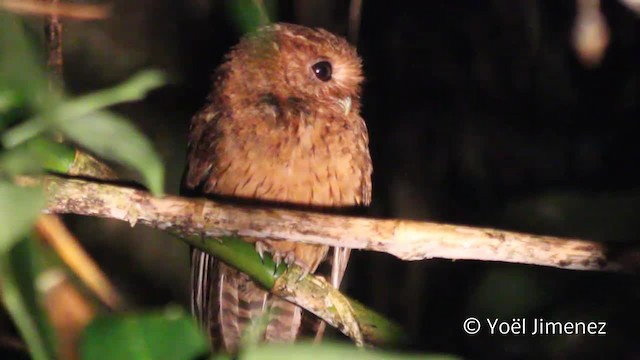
x: 281, y: 126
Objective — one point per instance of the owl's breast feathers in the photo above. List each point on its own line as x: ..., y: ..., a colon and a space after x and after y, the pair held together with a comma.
x: 279, y: 150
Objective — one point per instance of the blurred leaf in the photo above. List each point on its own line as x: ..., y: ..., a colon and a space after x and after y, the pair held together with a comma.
x: 252, y: 14
x: 328, y: 351
x: 22, y: 80
x: 19, y: 208
x: 12, y: 116
x: 52, y: 155
x: 113, y: 137
x: 23, y: 132
x: 253, y: 334
x: 8, y: 100
x: 19, y: 69
x: 56, y: 115
x: 80, y: 119
x: 19, y: 161
x: 172, y: 334
x: 36, y: 155
x: 19, y: 271
x: 133, y: 89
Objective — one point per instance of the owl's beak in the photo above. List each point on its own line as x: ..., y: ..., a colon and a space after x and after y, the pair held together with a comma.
x: 346, y: 104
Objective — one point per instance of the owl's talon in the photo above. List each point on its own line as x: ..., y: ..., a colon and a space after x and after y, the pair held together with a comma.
x: 290, y: 258
x: 303, y: 274
x: 260, y: 249
x: 277, y: 259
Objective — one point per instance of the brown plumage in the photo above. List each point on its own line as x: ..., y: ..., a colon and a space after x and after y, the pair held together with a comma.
x: 282, y: 126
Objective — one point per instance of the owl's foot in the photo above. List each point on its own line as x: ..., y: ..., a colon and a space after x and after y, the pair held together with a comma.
x: 303, y: 274
x: 289, y: 257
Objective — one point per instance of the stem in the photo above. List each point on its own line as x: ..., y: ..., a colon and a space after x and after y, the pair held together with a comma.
x: 241, y: 255
x: 53, y: 38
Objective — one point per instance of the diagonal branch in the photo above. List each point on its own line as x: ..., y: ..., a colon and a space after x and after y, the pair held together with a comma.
x: 313, y: 293
x: 407, y: 240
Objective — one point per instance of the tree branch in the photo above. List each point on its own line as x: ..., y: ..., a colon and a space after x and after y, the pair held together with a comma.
x: 407, y: 240
x: 212, y: 227
x: 182, y: 217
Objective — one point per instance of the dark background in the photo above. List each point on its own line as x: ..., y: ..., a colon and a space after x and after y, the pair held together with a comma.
x: 479, y: 112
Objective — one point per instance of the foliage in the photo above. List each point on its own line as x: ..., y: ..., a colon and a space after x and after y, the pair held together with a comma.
x: 19, y: 270
x: 251, y: 14
x: 24, y: 89
x: 171, y: 334
x: 31, y: 117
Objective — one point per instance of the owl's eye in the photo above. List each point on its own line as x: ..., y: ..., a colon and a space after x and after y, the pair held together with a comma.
x: 322, y: 70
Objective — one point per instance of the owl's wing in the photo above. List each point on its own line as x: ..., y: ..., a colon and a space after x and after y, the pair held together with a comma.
x: 203, y: 137
x: 223, y: 299
x: 207, y: 274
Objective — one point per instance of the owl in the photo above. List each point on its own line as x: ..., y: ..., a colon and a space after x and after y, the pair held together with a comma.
x: 281, y: 127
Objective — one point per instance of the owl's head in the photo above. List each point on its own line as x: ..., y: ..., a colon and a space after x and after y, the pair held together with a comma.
x: 294, y: 61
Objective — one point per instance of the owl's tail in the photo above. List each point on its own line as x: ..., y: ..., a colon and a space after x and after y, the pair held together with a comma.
x: 226, y: 302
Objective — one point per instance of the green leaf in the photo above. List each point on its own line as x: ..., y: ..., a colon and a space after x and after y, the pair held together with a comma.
x: 36, y: 155
x: 8, y: 100
x: 51, y: 155
x: 112, y: 137
x: 252, y: 14
x: 19, y: 161
x: 328, y: 351
x: 133, y: 89
x: 23, y: 132
x: 19, y: 69
x: 57, y: 114
x: 81, y: 119
x: 172, y: 334
x: 19, y: 270
x: 19, y: 208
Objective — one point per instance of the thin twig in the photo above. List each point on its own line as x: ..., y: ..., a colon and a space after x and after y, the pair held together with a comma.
x: 53, y: 230
x: 68, y: 11
x: 53, y: 39
x: 355, y: 13
x: 407, y: 240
